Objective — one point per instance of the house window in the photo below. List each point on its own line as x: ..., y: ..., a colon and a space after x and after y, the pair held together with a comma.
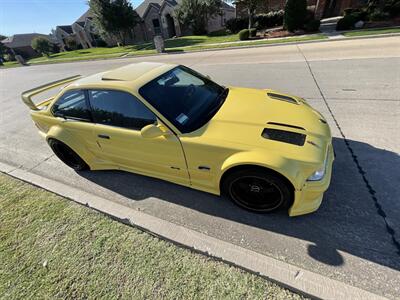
x: 156, y: 26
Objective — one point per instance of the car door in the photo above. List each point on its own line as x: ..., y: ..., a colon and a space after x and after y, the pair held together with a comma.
x: 119, y: 116
x: 74, y: 120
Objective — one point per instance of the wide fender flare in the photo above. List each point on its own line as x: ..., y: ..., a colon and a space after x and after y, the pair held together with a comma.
x: 74, y: 142
x: 286, y: 167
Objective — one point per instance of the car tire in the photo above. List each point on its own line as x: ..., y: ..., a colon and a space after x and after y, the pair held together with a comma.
x: 257, y: 190
x: 67, y: 155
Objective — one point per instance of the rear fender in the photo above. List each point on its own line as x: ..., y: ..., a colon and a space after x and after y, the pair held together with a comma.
x: 75, y: 143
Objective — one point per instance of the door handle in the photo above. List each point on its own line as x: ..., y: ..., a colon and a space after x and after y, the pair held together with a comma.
x: 104, y: 136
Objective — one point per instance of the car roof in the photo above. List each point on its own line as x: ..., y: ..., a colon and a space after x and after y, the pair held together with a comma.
x: 132, y: 75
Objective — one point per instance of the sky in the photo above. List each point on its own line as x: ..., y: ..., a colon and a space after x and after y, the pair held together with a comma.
x: 40, y: 16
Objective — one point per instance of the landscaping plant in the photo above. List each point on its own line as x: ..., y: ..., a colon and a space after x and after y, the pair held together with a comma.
x: 114, y: 18
x: 195, y: 13
x: 244, y: 34
x: 250, y: 6
x: 42, y: 45
x: 295, y: 14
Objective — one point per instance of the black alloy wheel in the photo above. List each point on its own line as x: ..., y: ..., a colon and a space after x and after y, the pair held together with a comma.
x: 257, y: 190
x: 67, y: 155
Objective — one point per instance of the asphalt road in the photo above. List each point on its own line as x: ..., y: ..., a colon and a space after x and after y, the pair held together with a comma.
x: 355, y: 84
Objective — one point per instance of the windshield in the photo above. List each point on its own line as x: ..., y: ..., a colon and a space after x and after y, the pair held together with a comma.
x: 186, y: 98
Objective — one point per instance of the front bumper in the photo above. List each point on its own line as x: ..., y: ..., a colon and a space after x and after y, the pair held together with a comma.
x: 309, y: 197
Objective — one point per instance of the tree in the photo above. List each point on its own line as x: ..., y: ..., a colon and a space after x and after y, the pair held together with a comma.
x: 295, y: 14
x: 251, y: 7
x: 115, y: 18
x: 195, y: 13
x: 3, y: 49
x: 42, y: 45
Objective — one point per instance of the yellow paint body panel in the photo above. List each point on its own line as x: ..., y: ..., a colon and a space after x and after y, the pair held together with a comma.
x: 231, y: 138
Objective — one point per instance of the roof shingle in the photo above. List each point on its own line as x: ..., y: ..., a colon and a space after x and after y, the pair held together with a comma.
x: 22, y: 40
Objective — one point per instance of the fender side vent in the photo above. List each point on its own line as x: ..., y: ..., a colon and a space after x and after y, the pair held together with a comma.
x: 284, y: 136
x: 282, y: 98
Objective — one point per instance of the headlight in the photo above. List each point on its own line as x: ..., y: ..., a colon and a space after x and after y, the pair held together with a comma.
x: 319, y: 174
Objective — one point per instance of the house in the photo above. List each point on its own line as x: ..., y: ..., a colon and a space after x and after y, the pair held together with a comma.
x: 331, y: 8
x: 157, y: 17
x: 82, y: 31
x: 20, y: 44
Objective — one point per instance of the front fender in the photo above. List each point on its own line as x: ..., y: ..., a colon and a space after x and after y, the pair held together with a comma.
x: 286, y: 167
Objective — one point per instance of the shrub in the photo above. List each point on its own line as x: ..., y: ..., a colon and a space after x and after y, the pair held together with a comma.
x: 271, y: 19
x: 244, y: 34
x: 394, y: 9
x: 71, y: 44
x: 310, y: 15
x: 360, y: 15
x: 237, y: 24
x: 55, y: 48
x: 312, y: 26
x: 348, y: 11
x: 9, y: 57
x: 295, y: 14
x: 378, y: 15
x: 347, y: 22
x: 42, y: 45
x: 100, y: 43
x: 253, y: 32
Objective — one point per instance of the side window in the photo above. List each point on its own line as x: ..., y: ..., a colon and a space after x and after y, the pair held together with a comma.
x: 72, y: 105
x: 119, y: 109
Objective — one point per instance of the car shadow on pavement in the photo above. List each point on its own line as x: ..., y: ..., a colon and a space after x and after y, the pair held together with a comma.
x: 347, y: 220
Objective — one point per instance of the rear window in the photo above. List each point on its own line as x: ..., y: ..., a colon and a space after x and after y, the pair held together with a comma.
x: 72, y: 105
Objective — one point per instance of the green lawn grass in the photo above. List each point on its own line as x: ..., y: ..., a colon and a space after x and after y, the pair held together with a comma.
x: 51, y: 247
x: 182, y: 44
x: 9, y: 64
x: 372, y: 31
x: 140, y: 49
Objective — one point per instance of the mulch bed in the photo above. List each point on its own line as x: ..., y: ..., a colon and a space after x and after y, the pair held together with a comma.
x: 387, y: 23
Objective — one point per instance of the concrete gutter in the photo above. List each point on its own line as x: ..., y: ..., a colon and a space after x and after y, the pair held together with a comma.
x: 287, y: 275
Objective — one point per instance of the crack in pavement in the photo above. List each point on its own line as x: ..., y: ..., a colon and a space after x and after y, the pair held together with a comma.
x: 38, y: 164
x: 379, y: 209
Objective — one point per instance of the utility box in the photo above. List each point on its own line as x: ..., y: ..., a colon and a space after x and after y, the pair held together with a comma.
x: 159, y: 44
x: 20, y: 59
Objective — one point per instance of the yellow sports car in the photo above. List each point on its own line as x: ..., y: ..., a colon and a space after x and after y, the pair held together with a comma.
x: 263, y: 149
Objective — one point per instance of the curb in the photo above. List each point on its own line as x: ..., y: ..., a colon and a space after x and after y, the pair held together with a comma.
x: 323, y: 40
x: 292, y: 277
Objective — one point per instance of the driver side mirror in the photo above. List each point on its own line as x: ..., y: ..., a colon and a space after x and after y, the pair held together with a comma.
x: 153, y: 131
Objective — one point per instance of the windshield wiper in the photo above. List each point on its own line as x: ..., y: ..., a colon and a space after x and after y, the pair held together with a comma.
x: 221, y: 99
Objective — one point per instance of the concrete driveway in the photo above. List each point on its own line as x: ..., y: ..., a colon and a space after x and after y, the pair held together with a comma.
x: 354, y: 237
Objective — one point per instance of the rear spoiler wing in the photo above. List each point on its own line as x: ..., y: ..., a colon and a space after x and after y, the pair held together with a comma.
x: 27, y: 95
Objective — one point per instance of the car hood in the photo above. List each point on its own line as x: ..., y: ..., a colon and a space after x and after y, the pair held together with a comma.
x: 247, y: 112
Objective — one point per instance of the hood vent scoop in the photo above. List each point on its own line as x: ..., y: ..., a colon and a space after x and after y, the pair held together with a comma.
x: 282, y: 98
x: 284, y: 136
